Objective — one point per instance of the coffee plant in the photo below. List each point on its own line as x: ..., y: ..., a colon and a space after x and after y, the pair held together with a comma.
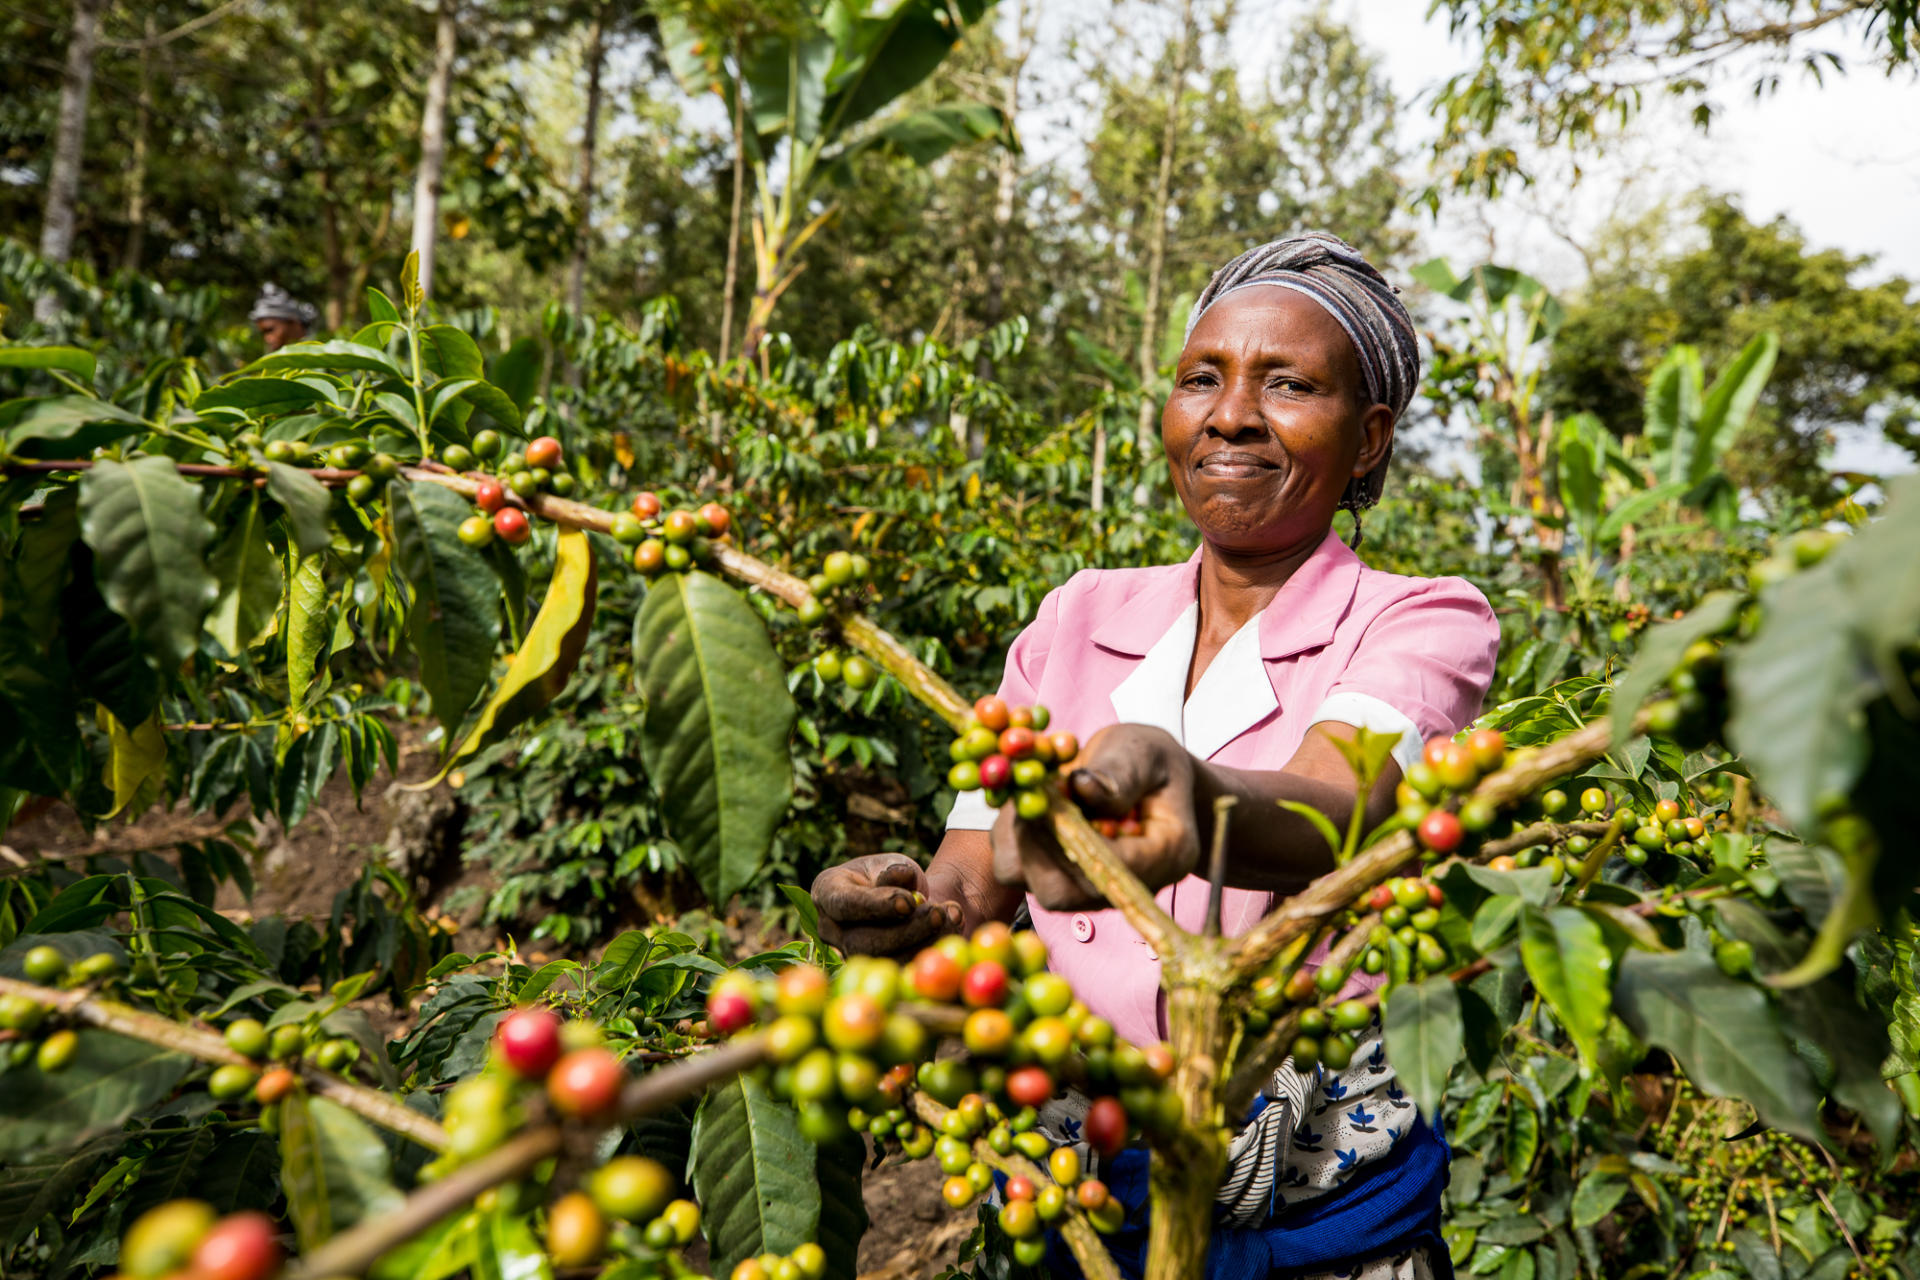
x: 1642, y: 934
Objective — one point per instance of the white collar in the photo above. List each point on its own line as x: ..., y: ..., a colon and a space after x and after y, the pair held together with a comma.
x: 1233, y: 695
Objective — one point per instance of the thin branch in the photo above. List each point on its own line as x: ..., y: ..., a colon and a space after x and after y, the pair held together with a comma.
x: 354, y: 1250
x: 1217, y: 865
x: 331, y: 476
x: 1082, y: 844
x: 184, y: 29
x: 1541, y: 833
x: 208, y: 1046
x: 135, y: 843
x: 1335, y: 891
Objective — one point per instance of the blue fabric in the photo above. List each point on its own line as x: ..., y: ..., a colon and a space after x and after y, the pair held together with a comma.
x: 1392, y: 1206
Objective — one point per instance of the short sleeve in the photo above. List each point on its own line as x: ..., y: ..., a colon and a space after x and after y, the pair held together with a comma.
x: 1019, y: 685
x: 1422, y: 667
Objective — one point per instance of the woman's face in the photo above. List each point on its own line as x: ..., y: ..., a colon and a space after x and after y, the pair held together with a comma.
x: 1268, y: 422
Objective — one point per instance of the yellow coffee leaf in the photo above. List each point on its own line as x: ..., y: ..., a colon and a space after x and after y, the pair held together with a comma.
x: 138, y: 758
x: 539, y: 671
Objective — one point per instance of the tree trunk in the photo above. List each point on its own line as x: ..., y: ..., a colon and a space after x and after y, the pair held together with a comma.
x: 994, y: 303
x: 69, y: 143
x: 433, y: 143
x: 583, y: 195
x: 331, y: 248
x: 733, y: 218
x: 1183, y: 1184
x: 137, y: 168
x: 1149, y: 362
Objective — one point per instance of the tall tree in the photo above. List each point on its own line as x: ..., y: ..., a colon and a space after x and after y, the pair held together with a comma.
x: 816, y: 90
x: 1849, y: 348
x: 1563, y: 71
x: 69, y: 144
x: 433, y: 140
x: 596, y: 60
x: 1006, y: 185
x: 1147, y: 356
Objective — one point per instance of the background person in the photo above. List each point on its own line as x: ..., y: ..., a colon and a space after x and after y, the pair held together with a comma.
x: 281, y: 318
x: 1235, y: 673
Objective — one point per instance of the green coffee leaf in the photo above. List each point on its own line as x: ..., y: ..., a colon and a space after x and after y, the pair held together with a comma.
x: 248, y: 571
x: 1595, y: 1197
x: 1425, y: 1037
x: 49, y: 1183
x: 333, y: 1168
x: 149, y: 538
x: 1797, y: 687
x: 454, y: 623
x: 753, y: 1174
x: 546, y: 658
x: 1724, y: 1033
x: 306, y: 629
x: 110, y: 1079
x: 715, y: 735
x: 64, y: 426
x: 1660, y: 653
x: 1570, y: 965
x: 843, y: 1212
x: 262, y: 396
x: 337, y: 354
x: 306, y: 502
x: 67, y: 359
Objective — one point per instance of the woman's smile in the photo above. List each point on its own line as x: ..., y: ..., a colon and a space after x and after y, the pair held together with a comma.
x: 1233, y: 464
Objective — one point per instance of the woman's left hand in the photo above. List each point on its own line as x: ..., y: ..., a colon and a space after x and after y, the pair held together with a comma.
x: 1124, y: 768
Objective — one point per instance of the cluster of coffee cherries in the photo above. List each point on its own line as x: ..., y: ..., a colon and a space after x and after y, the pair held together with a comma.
x: 1008, y: 753
x: 1666, y: 828
x: 1447, y: 767
x: 540, y: 1061
x: 1026, y: 1209
x: 834, y: 1045
x: 535, y: 1056
x: 847, y: 1051
x: 252, y: 1039
x: 23, y: 1019
x: 1403, y: 944
x: 188, y: 1240
x: 858, y: 673
x: 525, y: 474
x: 841, y: 574
x: 807, y: 1262
x: 630, y: 1196
x: 669, y: 541
x: 348, y: 455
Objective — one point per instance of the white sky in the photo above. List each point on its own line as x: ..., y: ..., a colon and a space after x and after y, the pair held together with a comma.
x: 1841, y: 161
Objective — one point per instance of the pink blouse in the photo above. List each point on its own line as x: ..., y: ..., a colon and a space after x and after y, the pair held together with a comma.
x: 1340, y: 642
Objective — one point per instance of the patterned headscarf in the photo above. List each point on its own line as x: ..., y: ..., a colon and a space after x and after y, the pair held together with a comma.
x: 1335, y: 275
x: 275, y: 303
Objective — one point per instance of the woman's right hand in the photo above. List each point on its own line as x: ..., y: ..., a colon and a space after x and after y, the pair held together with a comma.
x: 878, y: 904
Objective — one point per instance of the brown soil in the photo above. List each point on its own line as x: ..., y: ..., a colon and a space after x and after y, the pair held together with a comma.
x: 912, y: 1234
